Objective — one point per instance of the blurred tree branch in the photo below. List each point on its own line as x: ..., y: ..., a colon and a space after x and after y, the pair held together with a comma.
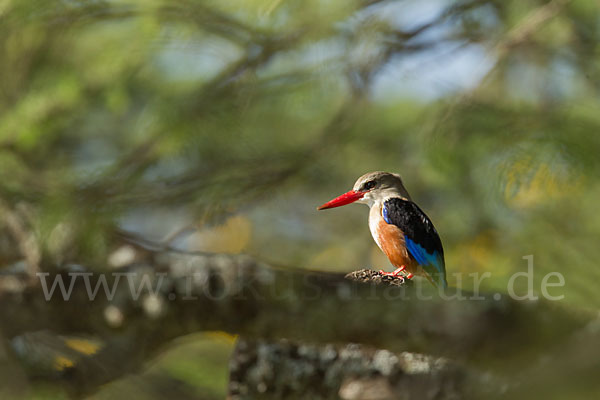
x: 194, y: 293
x: 22, y: 236
x: 284, y: 370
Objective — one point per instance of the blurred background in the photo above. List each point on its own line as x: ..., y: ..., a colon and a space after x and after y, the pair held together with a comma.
x: 220, y: 125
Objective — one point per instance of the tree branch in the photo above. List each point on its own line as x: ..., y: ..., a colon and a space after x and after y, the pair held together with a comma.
x: 237, y: 294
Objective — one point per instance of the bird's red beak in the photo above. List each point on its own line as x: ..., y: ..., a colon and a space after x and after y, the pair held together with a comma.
x: 346, y: 198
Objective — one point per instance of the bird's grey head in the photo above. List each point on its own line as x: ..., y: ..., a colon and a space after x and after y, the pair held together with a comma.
x: 379, y: 186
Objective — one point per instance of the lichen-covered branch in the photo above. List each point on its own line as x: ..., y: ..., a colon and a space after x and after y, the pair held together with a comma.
x: 284, y: 370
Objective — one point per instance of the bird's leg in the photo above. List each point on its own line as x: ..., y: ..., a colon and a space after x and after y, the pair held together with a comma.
x: 396, y: 272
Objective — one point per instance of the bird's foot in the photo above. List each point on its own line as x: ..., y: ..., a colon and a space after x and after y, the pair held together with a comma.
x: 397, y: 272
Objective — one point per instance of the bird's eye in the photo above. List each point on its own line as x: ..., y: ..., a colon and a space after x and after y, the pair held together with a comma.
x: 369, y: 185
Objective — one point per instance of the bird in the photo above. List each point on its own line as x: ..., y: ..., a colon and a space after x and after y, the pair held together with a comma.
x: 399, y: 227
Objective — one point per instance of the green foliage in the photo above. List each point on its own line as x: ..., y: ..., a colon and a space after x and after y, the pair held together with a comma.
x: 193, y: 366
x: 219, y: 107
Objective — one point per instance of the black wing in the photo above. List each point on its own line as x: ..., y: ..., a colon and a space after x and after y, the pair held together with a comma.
x: 422, y: 240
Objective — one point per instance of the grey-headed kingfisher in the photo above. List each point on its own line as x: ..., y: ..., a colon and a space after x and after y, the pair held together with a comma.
x: 400, y: 228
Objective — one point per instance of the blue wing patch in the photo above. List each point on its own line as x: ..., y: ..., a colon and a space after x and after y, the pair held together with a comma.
x: 386, y: 215
x: 427, y: 260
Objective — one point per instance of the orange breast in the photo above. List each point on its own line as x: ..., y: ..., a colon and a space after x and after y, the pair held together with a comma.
x: 391, y: 241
